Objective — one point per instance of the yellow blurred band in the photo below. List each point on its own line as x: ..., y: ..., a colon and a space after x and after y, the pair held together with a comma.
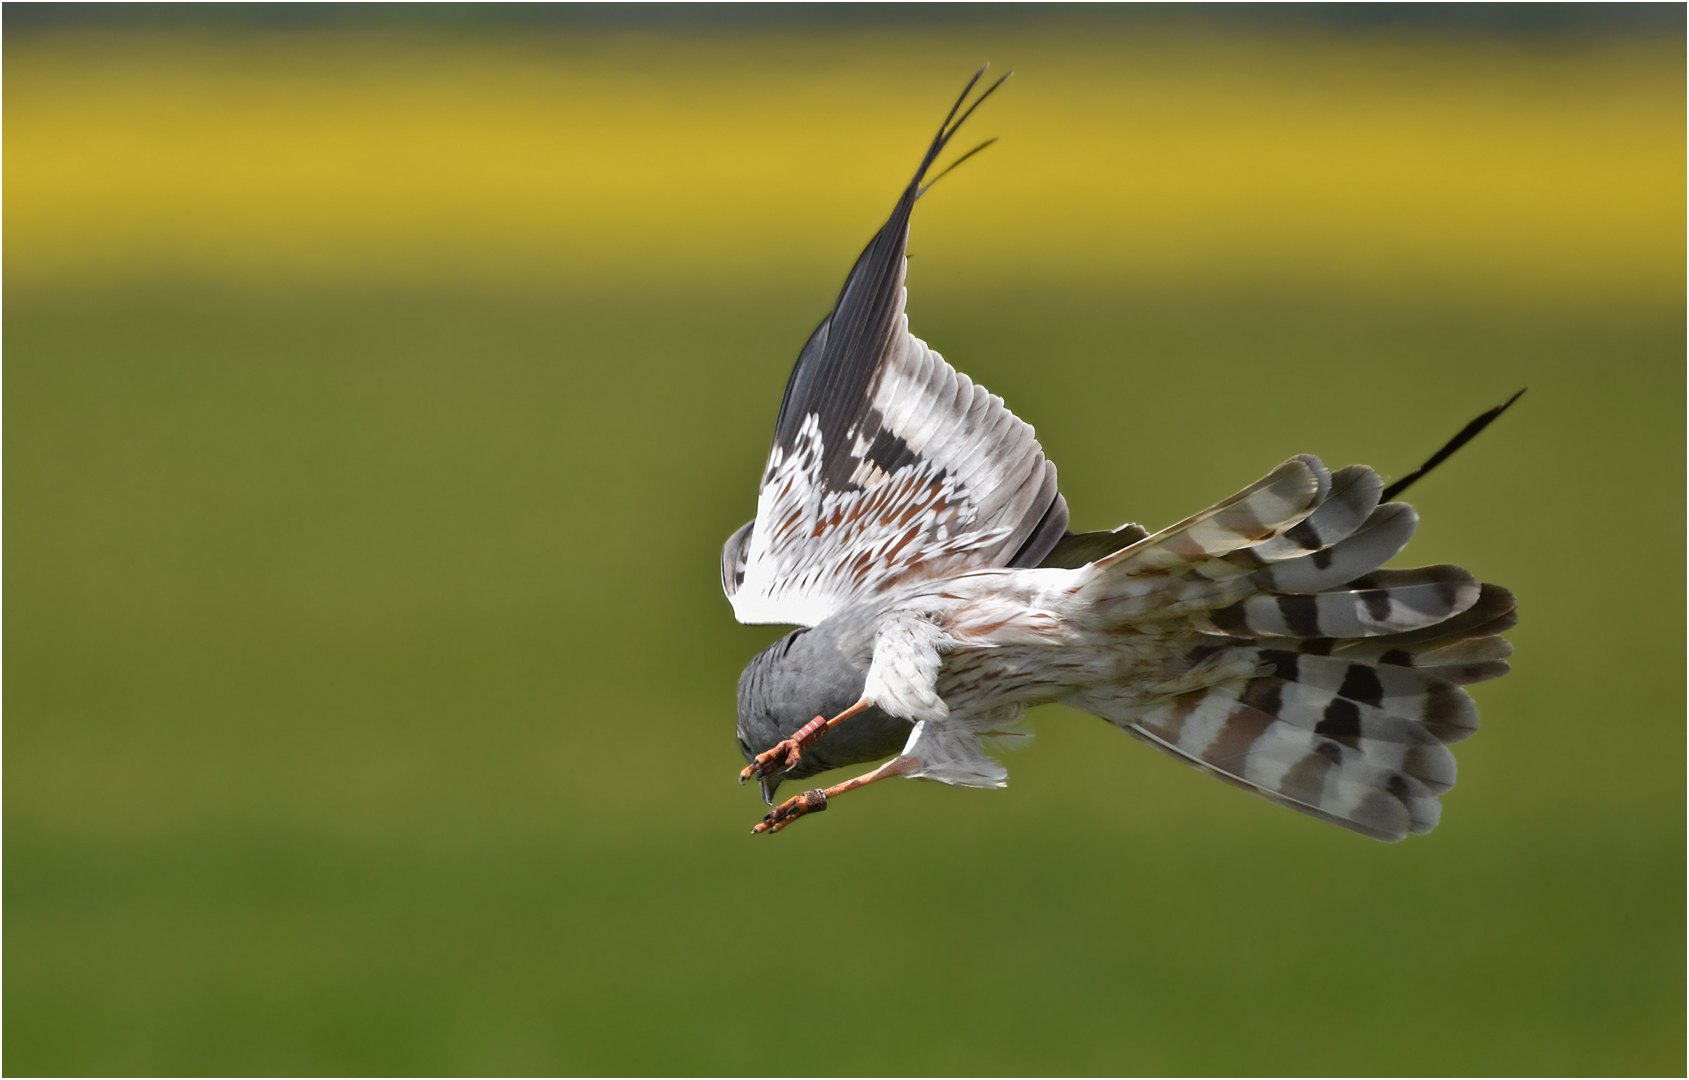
x: 606, y: 161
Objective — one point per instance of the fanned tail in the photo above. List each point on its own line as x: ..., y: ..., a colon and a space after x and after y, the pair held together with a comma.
x: 1303, y: 671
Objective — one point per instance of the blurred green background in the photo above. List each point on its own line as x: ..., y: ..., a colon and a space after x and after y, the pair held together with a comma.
x: 382, y: 382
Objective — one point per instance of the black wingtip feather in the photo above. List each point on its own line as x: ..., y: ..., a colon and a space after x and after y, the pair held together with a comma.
x: 1466, y: 435
x: 924, y: 188
x: 952, y: 124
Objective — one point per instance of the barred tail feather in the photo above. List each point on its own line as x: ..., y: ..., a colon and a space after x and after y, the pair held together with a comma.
x: 1262, y: 511
x: 1493, y: 613
x: 1351, y: 500
x: 1374, y: 542
x: 1294, y: 768
x: 1367, y: 767
x: 1384, y: 602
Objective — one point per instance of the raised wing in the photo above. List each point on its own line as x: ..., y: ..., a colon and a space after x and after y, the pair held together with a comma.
x: 888, y: 465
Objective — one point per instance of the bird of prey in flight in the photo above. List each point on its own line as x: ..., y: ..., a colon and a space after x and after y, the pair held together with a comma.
x: 909, y: 524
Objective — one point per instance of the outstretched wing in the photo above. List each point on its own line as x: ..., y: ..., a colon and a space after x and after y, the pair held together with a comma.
x: 888, y: 465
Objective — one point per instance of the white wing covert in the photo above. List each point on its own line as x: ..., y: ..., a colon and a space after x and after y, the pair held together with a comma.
x: 888, y: 467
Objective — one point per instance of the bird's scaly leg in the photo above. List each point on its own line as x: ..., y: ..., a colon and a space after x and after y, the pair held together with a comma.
x: 813, y: 802
x: 787, y: 752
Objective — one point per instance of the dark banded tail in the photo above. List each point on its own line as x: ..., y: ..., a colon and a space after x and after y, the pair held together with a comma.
x: 1353, y: 732
x: 1311, y: 676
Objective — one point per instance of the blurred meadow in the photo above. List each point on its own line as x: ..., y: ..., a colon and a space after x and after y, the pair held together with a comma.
x: 381, y: 384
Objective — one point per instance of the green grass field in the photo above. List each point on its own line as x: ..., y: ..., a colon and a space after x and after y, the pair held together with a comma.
x: 370, y: 690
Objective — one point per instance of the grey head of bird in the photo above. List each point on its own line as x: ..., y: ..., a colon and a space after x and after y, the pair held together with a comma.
x: 813, y: 672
